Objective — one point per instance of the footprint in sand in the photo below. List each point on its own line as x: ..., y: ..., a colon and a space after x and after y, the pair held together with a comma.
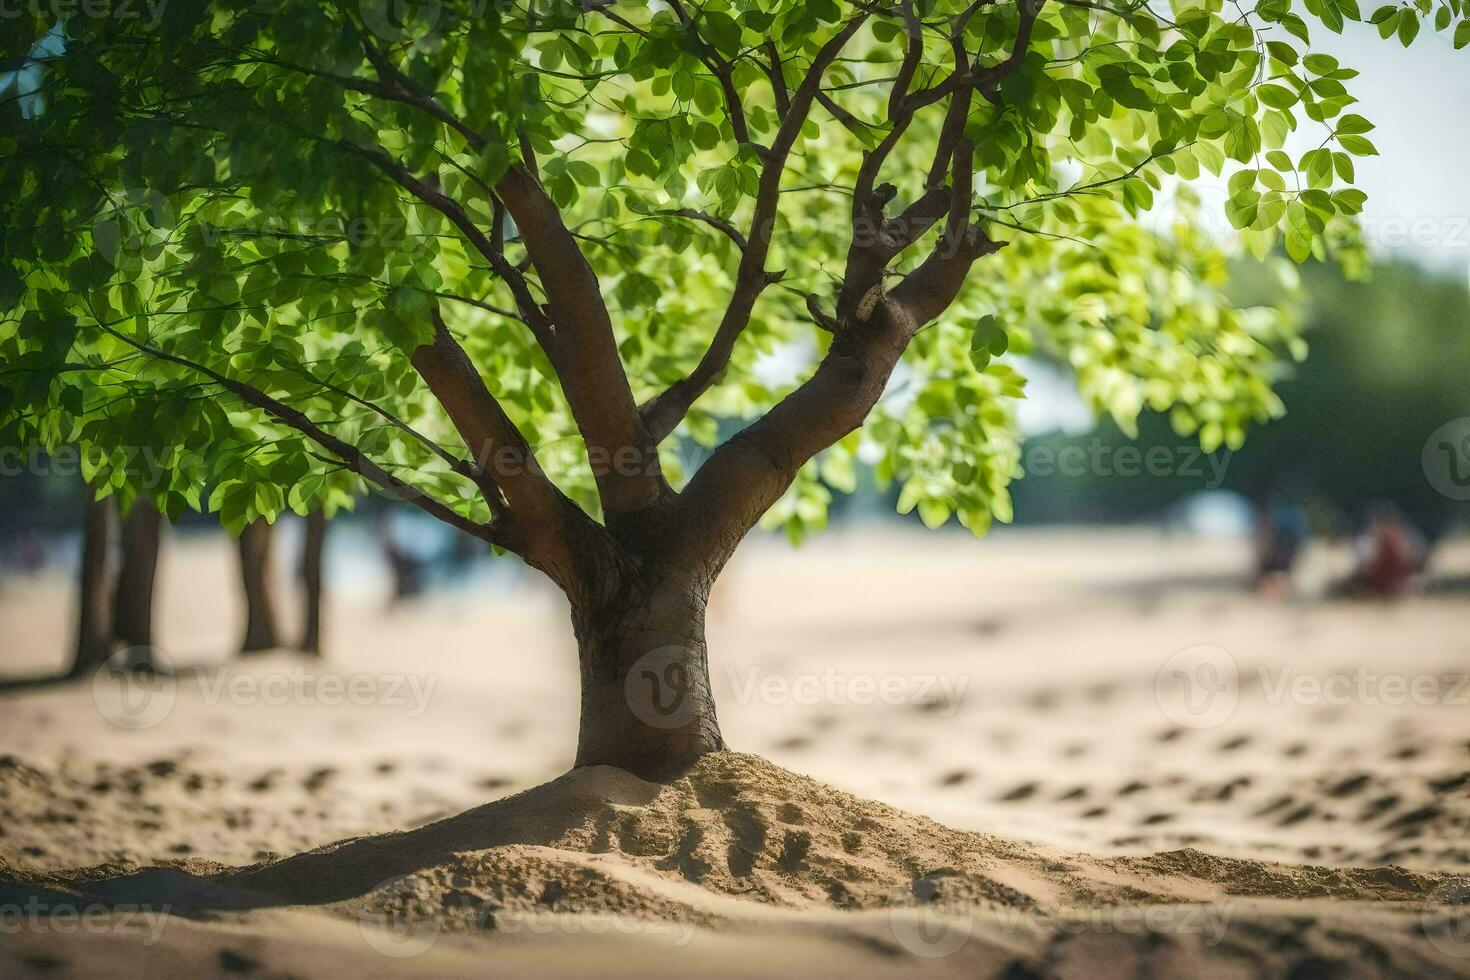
x: 1411, y: 821
x: 317, y: 779
x: 1350, y: 786
x: 233, y: 962
x: 266, y: 781
x: 1297, y: 816
x: 1228, y: 789
x: 1378, y: 807
x: 1450, y: 783
x: 1021, y: 792
x: 42, y: 963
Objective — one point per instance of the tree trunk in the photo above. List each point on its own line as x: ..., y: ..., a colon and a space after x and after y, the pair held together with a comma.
x: 311, y: 582
x: 255, y: 570
x: 133, y: 603
x: 647, y: 705
x: 94, y: 626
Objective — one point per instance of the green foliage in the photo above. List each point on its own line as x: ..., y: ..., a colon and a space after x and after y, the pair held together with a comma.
x: 193, y: 188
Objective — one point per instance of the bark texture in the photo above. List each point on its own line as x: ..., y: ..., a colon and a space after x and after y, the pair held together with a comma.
x: 647, y: 704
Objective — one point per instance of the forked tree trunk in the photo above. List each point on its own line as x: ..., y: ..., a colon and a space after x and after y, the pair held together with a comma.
x: 647, y: 704
x: 311, y: 582
x: 94, y: 619
x: 133, y: 602
x: 255, y: 573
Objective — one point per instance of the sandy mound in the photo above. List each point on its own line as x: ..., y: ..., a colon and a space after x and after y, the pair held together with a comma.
x: 737, y: 843
x: 740, y: 827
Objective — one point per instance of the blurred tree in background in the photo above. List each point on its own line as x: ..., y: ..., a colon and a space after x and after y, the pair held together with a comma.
x: 1388, y: 363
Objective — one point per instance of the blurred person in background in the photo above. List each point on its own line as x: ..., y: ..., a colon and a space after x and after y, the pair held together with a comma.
x: 1390, y: 557
x: 1280, y: 534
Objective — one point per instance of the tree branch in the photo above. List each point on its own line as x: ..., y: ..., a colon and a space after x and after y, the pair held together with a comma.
x: 663, y: 413
x: 584, y: 352
x: 499, y: 448
x: 577, y: 335
x: 351, y: 457
x: 713, y: 220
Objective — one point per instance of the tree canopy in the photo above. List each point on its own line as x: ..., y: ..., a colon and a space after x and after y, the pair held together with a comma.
x: 493, y: 256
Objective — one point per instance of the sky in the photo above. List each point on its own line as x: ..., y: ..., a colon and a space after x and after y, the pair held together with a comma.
x: 1419, y: 99
x: 1418, y: 188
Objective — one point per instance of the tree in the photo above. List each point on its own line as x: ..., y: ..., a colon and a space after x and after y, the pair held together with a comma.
x: 310, y: 573
x: 308, y: 247
x: 141, y: 532
x: 257, y: 588
x: 94, y: 600
x: 1386, y: 371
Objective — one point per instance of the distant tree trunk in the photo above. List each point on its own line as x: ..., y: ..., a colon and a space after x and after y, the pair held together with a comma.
x: 94, y: 626
x: 311, y: 581
x: 260, y: 616
x: 132, y: 622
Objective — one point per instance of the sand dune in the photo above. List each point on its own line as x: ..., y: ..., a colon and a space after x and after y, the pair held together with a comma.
x: 1070, y: 827
x: 735, y: 842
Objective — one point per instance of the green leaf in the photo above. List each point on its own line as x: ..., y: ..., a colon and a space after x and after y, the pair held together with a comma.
x: 1276, y: 96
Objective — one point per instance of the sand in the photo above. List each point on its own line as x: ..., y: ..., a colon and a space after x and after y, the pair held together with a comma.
x: 1051, y: 806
